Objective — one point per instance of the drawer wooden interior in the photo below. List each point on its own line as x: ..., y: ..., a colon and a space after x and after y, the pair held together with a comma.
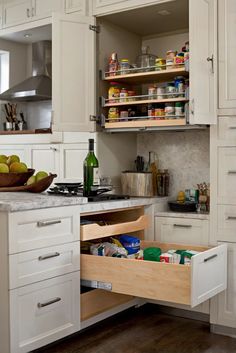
x: 114, y: 223
x: 190, y: 285
x: 97, y: 301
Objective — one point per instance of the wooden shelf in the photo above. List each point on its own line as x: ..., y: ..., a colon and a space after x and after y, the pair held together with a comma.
x: 146, y: 101
x: 144, y: 77
x: 145, y: 123
x: 26, y: 132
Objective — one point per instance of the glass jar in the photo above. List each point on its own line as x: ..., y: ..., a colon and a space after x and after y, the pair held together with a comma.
x: 163, y: 181
x: 169, y: 110
x: 180, y: 86
x: 131, y: 95
x: 124, y: 67
x: 152, y: 90
x: 170, y: 90
x: 179, y: 109
x: 161, y: 92
x: 123, y: 95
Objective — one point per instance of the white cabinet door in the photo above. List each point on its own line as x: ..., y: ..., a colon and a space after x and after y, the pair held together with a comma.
x: 46, y: 157
x: 225, y: 303
x: 44, y: 8
x: 226, y: 185
x: 227, y: 53
x: 78, y: 6
x: 73, y: 73
x: 101, y: 7
x: 20, y: 150
x: 72, y: 158
x: 203, y: 59
x: 16, y: 12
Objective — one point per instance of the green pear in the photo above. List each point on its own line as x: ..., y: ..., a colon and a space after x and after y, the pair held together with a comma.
x: 12, y: 159
x: 4, y: 168
x: 3, y: 158
x: 18, y: 167
x: 31, y: 180
x: 41, y: 175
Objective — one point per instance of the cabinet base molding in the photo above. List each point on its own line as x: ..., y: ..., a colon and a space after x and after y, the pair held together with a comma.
x: 223, y: 330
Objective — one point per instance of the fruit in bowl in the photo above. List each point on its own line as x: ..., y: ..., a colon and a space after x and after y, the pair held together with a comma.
x: 13, y: 172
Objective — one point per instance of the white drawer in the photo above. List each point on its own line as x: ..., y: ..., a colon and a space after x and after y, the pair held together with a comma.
x: 36, y: 229
x: 37, y: 265
x: 227, y: 130
x: 182, y: 230
x: 226, y: 187
x: 44, y: 312
x: 226, y: 223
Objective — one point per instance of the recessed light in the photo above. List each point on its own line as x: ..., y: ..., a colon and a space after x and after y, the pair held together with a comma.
x: 164, y: 12
x: 27, y: 35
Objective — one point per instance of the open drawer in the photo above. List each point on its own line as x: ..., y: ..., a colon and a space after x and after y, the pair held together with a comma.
x: 97, y: 301
x: 190, y: 285
x: 113, y: 224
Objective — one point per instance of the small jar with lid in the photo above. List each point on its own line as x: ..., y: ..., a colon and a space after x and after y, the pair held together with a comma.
x: 160, y: 64
x: 124, y: 67
x: 152, y: 91
x: 170, y: 57
x: 123, y: 95
x: 179, y: 110
x: 170, y: 90
x: 180, y: 86
x: 169, y: 110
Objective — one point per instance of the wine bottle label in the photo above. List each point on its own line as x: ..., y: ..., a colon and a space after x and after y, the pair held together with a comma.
x: 95, y: 174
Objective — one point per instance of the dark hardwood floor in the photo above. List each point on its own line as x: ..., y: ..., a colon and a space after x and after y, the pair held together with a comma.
x: 145, y: 330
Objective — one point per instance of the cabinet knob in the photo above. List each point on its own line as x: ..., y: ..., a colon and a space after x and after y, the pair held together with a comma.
x: 53, y: 149
x: 28, y: 13
x: 211, y: 59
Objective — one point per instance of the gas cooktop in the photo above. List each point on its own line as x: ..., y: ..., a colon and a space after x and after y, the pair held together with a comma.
x: 76, y: 189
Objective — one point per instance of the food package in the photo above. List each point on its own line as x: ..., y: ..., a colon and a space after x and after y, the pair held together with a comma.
x: 131, y: 244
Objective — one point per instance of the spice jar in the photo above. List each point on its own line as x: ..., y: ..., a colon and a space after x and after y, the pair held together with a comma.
x: 131, y: 95
x: 179, y: 109
x: 152, y: 90
x: 180, y: 86
x: 169, y: 110
x: 161, y: 92
x: 123, y: 95
x: 124, y: 67
x: 113, y: 64
x: 124, y: 114
x: 170, y: 90
x: 170, y: 56
x: 159, y: 113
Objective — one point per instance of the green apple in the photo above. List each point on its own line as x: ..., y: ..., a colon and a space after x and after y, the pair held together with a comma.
x: 3, y: 158
x: 31, y: 180
x: 12, y: 159
x: 4, y: 168
x: 41, y: 175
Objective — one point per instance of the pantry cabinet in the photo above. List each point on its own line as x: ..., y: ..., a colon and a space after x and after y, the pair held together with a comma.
x: 227, y: 52
x: 73, y: 73
x: 79, y: 6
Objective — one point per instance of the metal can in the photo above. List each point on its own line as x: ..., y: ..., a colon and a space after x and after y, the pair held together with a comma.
x: 160, y: 64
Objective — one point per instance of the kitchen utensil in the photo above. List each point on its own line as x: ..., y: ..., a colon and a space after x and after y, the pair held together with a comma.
x: 37, y: 187
x: 186, y: 206
x: 15, y: 179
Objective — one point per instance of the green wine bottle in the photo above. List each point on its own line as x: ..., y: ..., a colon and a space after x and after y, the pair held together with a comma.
x: 90, y: 169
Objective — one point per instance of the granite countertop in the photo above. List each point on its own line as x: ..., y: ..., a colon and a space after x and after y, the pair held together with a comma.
x: 22, y: 201
x: 192, y: 215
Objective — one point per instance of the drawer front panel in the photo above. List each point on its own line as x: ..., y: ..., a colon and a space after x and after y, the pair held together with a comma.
x: 37, y: 265
x: 44, y: 312
x: 227, y: 130
x: 160, y: 281
x: 97, y: 301
x: 42, y: 228
x: 227, y: 175
x: 226, y: 223
x: 181, y: 231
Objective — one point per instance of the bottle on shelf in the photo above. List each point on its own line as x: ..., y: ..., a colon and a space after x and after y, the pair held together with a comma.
x: 113, y: 65
x: 90, y: 169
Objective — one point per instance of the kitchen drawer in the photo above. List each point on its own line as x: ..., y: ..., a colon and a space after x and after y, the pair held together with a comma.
x: 226, y: 187
x: 97, y: 301
x: 190, y: 285
x: 227, y: 130
x: 95, y: 231
x: 36, y: 229
x: 182, y: 230
x: 43, y: 312
x: 226, y: 223
x: 37, y: 265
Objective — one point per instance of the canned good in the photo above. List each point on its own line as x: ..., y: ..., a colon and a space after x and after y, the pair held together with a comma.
x: 169, y: 109
x: 124, y: 67
x: 113, y: 113
x: 170, y: 90
x: 161, y: 92
x: 123, y: 95
x: 179, y: 60
x: 179, y: 85
x: 152, y: 91
x: 160, y: 64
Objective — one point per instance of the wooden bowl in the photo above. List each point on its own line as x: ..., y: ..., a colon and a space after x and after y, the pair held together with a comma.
x: 15, y: 179
x: 37, y: 187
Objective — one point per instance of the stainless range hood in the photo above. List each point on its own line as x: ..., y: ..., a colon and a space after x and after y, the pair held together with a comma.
x: 39, y: 86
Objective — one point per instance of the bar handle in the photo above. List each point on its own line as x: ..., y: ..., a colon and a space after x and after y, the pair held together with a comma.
x: 48, y: 223
x: 49, y: 302
x: 183, y: 225
x: 48, y: 256
x: 232, y: 127
x: 210, y: 258
x: 231, y: 217
x: 231, y: 171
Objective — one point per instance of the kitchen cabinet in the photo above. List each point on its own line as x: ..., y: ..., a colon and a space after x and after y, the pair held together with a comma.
x: 226, y: 190
x: 16, y: 12
x: 73, y: 73
x: 45, y: 157
x: 227, y: 52
x: 71, y: 162
x: 224, y: 305
x: 44, y: 8
x: 79, y: 6
x: 182, y: 230
x: 101, y: 7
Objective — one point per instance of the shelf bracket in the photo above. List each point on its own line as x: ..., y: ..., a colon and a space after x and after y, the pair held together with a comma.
x: 96, y: 29
x: 94, y: 118
x: 96, y: 284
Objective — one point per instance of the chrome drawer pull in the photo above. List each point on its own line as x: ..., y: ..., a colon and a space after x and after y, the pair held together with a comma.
x: 183, y: 225
x: 52, y: 301
x: 231, y: 217
x: 232, y: 127
x: 232, y: 172
x: 48, y: 256
x: 47, y: 223
x: 210, y: 258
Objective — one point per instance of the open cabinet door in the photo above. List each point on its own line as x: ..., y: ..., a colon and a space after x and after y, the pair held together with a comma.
x: 203, y: 61
x: 73, y: 73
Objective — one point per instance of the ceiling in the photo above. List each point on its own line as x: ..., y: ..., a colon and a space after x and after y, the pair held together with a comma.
x: 147, y: 20
x: 34, y: 35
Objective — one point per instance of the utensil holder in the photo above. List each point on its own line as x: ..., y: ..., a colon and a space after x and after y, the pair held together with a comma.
x: 137, y: 184
x: 9, y: 126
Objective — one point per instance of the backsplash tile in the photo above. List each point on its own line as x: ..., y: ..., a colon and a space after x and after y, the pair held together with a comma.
x: 186, y: 155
